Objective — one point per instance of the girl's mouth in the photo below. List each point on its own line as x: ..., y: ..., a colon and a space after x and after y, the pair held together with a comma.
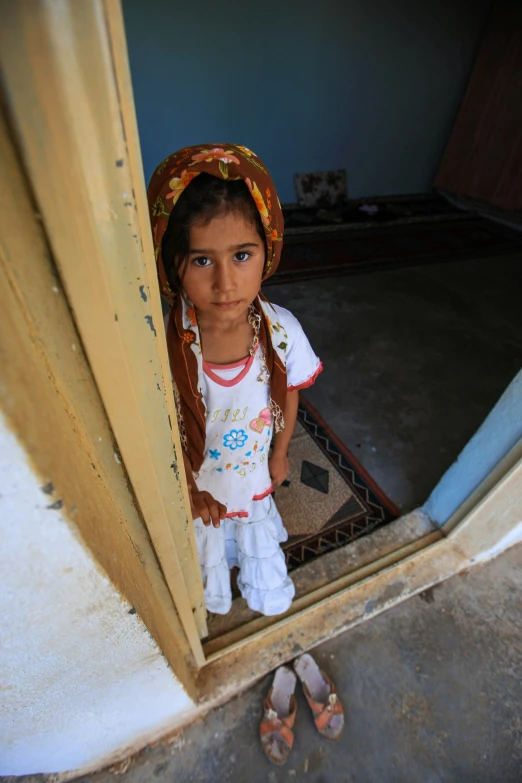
x: 226, y: 305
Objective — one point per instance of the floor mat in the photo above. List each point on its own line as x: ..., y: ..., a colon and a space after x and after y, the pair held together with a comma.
x: 328, y: 499
x: 387, y: 247
x: 367, y: 212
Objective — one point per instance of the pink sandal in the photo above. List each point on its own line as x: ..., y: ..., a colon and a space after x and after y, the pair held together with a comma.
x: 277, y: 737
x: 321, y: 695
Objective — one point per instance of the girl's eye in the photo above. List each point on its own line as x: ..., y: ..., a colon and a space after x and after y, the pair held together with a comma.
x: 201, y: 261
x: 242, y: 256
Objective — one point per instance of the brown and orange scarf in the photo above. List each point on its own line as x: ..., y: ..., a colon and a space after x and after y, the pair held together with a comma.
x: 225, y: 161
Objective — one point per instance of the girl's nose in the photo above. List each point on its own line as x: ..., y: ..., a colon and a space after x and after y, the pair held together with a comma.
x: 224, y: 278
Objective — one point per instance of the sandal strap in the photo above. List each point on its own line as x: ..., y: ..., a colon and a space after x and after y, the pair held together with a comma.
x: 324, y: 712
x: 270, y: 713
x: 323, y: 718
x: 277, y: 726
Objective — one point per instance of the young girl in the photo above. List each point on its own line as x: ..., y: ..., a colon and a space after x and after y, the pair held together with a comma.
x: 237, y: 363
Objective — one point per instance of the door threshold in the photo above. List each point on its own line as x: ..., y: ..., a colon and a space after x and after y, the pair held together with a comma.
x: 239, y: 658
x: 323, y: 577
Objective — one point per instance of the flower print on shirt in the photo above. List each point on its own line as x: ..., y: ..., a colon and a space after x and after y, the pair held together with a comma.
x: 214, y: 454
x: 235, y: 439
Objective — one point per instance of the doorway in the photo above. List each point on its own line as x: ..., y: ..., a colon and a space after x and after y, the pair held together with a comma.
x: 402, y: 311
x: 100, y: 137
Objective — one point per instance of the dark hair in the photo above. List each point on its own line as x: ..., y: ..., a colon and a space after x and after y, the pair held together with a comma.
x: 204, y: 198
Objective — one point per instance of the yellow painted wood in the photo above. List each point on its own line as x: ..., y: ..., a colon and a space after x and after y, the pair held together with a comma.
x: 116, y: 29
x: 495, y: 521
x: 51, y: 401
x: 65, y: 103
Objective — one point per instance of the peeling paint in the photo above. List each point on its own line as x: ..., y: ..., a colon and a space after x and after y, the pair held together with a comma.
x: 119, y: 163
x: 142, y: 293
x: 48, y: 488
x: 150, y: 322
x: 56, y: 505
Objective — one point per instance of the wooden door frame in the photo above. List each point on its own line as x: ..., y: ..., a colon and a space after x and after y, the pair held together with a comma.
x: 51, y: 400
x: 68, y: 104
x: 68, y: 99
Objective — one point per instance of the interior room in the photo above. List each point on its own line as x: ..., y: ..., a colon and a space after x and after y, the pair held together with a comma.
x: 403, y: 267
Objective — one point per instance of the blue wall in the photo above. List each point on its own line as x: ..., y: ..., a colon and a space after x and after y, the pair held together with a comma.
x: 367, y: 85
x: 497, y: 435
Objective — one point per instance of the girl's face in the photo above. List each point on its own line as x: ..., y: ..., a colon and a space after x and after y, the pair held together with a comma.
x: 224, y: 268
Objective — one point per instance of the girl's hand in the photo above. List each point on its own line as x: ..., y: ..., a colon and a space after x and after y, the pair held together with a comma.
x: 203, y: 505
x: 278, y: 466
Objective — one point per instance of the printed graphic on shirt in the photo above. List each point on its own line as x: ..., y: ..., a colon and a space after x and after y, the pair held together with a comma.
x: 236, y: 415
x: 263, y: 420
x: 235, y: 439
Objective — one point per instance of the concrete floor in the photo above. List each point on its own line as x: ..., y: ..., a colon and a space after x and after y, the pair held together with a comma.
x: 414, y: 358
x: 432, y: 692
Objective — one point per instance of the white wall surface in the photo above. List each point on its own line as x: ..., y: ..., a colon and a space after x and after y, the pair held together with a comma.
x: 80, y: 677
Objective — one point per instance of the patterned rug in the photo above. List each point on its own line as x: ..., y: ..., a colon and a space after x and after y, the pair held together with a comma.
x: 328, y: 499
x: 387, y: 247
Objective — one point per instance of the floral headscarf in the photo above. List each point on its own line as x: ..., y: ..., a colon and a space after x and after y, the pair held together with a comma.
x: 225, y: 161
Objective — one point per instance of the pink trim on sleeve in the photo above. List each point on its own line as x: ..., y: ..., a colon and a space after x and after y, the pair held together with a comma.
x: 310, y: 380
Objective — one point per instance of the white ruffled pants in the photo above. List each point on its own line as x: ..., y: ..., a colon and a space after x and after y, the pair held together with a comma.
x: 252, y: 543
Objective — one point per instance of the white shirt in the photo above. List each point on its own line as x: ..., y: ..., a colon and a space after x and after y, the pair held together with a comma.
x: 239, y: 421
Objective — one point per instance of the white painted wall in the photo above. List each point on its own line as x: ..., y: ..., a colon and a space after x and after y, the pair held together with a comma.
x: 80, y: 678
